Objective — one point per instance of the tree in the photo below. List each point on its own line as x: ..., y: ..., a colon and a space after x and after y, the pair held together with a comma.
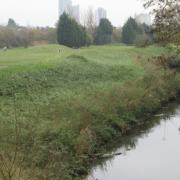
x: 70, y: 33
x: 51, y: 35
x: 104, y: 32
x: 167, y: 20
x: 142, y: 40
x: 11, y: 23
x: 148, y: 31
x: 130, y: 30
x: 146, y: 37
x: 24, y: 38
x: 90, y: 24
x: 117, y: 35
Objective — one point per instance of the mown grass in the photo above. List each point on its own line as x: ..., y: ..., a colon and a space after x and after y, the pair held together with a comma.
x: 60, y: 109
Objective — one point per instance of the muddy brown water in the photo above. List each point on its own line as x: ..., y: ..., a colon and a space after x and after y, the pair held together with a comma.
x: 151, y: 152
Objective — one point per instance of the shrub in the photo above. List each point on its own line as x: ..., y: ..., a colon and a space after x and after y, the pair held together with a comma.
x: 142, y: 40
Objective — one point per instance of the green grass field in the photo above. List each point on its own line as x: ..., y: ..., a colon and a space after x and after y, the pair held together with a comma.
x: 71, y: 71
x: 40, y: 57
x: 66, y: 106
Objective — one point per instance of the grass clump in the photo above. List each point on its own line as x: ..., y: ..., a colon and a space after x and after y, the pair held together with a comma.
x: 77, y: 57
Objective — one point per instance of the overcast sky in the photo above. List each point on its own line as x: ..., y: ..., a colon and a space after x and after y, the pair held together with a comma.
x: 45, y: 12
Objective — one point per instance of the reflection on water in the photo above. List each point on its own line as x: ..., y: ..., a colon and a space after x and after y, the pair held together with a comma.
x: 151, y: 152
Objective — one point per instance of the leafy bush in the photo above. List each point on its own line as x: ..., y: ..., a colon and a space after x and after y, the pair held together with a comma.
x: 142, y: 40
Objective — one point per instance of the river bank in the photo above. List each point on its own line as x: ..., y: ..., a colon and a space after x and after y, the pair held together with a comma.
x: 128, y: 129
x: 148, y: 152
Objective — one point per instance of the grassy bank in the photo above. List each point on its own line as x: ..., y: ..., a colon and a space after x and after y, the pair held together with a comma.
x: 58, y: 109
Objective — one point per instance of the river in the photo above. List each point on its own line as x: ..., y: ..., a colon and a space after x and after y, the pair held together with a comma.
x: 151, y: 152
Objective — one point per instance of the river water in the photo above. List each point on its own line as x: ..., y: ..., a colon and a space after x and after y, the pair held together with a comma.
x: 151, y: 152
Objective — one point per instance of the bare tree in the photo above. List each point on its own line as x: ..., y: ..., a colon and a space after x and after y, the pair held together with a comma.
x: 89, y: 20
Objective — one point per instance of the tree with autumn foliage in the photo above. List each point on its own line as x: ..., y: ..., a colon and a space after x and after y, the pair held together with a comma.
x: 167, y: 21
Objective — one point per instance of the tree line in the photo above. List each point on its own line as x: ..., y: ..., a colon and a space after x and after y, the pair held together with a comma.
x: 13, y: 35
x: 165, y: 28
x: 71, y: 33
x: 68, y: 32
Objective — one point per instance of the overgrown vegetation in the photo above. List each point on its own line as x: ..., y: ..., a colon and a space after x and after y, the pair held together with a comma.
x: 14, y: 35
x: 57, y: 114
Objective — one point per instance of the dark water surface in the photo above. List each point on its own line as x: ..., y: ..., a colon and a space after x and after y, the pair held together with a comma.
x: 151, y: 152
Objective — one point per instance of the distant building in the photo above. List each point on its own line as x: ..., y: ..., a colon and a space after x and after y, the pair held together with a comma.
x: 143, y: 19
x: 101, y: 13
x: 66, y: 6
x: 76, y: 12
